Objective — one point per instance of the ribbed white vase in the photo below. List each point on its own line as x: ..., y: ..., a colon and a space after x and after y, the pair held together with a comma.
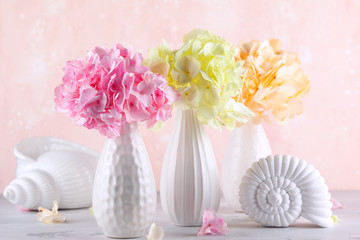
x: 189, y: 177
x: 124, y: 197
x: 246, y: 145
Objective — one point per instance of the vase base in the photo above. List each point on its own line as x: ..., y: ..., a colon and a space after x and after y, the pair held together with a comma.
x: 239, y: 211
x: 125, y: 237
x: 187, y: 225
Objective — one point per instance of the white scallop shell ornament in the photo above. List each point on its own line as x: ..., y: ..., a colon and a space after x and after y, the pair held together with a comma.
x: 51, y: 169
x: 277, y: 190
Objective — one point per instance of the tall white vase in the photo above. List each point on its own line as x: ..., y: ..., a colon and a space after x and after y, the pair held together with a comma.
x: 246, y: 145
x: 189, y: 176
x: 124, y: 197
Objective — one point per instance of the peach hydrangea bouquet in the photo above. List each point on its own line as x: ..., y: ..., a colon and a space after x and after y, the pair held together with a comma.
x: 205, y: 74
x: 109, y: 88
x: 273, y: 81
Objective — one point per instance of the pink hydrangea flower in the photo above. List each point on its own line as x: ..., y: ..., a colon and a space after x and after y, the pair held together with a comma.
x: 110, y: 88
x: 212, y: 225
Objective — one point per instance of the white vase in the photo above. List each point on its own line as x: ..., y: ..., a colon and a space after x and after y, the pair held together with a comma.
x: 189, y: 177
x: 246, y: 145
x: 124, y: 197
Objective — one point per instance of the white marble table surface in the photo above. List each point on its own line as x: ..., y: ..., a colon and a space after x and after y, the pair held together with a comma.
x: 16, y: 224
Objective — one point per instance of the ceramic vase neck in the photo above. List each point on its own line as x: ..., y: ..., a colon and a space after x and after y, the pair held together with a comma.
x: 127, y: 132
x: 128, y: 128
x: 188, y: 119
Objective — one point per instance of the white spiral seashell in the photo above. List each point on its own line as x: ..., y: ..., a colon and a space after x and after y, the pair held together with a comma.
x: 277, y: 190
x: 56, y: 170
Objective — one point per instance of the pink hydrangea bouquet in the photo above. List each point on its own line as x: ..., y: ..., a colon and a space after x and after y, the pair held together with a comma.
x: 109, y: 88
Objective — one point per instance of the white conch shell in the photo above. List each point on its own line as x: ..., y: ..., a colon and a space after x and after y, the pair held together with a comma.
x: 277, y: 190
x: 29, y: 149
x: 52, y: 169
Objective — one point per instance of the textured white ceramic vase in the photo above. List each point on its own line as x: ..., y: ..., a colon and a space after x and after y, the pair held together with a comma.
x: 189, y: 177
x: 51, y: 169
x: 246, y: 145
x: 124, y: 197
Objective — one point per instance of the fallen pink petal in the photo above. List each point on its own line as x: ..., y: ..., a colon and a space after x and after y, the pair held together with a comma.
x: 336, y: 204
x: 212, y: 225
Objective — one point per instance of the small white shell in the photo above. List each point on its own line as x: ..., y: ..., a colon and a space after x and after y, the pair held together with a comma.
x: 52, y: 169
x: 155, y: 232
x: 277, y: 190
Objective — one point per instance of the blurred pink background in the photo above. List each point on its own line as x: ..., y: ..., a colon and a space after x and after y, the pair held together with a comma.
x: 38, y: 37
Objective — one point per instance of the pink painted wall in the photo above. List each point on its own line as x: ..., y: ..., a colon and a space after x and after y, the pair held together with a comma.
x: 38, y: 37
